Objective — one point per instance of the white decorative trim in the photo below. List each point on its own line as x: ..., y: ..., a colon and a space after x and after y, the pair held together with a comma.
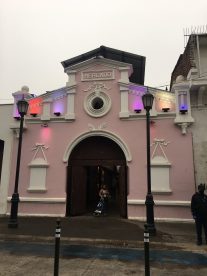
x: 93, y: 75
x: 164, y: 219
x: 71, y: 91
x: 16, y: 129
x: 156, y: 163
x: 102, y: 133
x: 46, y: 110
x: 71, y: 78
x: 97, y: 87
x: 88, y: 104
x: 39, y: 147
x: 182, y: 120
x: 38, y: 215
x: 184, y: 127
x: 40, y: 200
x: 124, y: 72
x: 38, y: 163
x: 37, y: 190
x: 100, y: 127
x: 124, y: 93
x: 100, y: 60
x: 159, y: 143
x: 159, y: 202
x: 159, y: 192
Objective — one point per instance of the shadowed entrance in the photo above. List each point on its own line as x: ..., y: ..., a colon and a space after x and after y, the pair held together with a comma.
x: 94, y: 161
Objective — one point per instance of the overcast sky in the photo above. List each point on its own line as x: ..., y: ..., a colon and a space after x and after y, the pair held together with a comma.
x: 36, y: 35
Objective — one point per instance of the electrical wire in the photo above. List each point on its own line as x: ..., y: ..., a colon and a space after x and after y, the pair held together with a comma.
x: 202, y: 75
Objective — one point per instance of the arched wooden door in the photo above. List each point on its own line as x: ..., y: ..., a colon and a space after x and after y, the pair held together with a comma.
x: 93, y: 161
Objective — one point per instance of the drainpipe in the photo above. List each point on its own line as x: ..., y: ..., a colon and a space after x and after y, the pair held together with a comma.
x: 198, y: 52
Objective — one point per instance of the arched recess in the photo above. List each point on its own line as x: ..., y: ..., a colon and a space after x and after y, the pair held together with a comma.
x: 101, y: 133
x: 92, y: 161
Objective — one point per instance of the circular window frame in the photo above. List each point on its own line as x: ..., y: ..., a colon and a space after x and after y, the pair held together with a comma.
x: 97, y: 112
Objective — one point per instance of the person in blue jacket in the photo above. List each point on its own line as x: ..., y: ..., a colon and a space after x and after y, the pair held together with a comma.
x: 199, y: 212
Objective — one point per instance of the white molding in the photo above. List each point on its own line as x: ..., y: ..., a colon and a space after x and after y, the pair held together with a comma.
x: 97, y: 112
x: 38, y: 165
x: 93, y: 61
x: 124, y: 108
x: 38, y: 215
x: 159, y: 202
x: 182, y: 120
x: 38, y: 190
x: 98, y: 75
x: 46, y: 107
x: 160, y: 164
x: 159, y: 192
x: 125, y: 73
x: 16, y: 128
x: 102, y: 133
x: 71, y: 78
x: 40, y: 200
x: 70, y: 112
x: 164, y: 219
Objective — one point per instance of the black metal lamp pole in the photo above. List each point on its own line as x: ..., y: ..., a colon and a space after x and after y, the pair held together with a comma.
x: 22, y: 107
x: 148, y: 102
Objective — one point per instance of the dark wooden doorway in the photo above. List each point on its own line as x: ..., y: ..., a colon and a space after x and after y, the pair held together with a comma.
x: 94, y: 161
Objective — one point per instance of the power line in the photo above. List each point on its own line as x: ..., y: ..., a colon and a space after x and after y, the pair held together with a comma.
x: 202, y: 75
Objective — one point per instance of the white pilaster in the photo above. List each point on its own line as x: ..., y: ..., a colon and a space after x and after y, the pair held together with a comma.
x: 71, y: 90
x: 124, y: 74
x: 70, y: 114
x: 124, y: 91
x: 46, y: 110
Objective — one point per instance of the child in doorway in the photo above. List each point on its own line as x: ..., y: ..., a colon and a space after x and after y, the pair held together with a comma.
x: 104, y: 194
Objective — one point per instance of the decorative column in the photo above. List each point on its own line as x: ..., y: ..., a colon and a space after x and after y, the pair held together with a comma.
x: 124, y: 113
x: 71, y: 90
x: 46, y: 109
x: 124, y: 91
x: 153, y: 112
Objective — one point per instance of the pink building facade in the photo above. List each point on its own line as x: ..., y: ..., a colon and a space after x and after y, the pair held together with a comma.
x: 93, y: 131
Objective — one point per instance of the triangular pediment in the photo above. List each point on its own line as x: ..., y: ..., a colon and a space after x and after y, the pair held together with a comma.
x: 113, y: 57
x: 98, y: 62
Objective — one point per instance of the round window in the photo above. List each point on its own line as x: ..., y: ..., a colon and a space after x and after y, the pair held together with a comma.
x: 97, y: 105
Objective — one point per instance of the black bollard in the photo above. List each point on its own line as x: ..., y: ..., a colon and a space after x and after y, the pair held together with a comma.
x: 146, y: 251
x: 57, y: 248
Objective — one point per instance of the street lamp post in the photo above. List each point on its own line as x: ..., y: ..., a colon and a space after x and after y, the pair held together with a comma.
x: 147, y: 100
x: 22, y: 107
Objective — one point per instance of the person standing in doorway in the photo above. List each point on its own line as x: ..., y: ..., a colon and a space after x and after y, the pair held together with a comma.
x: 104, y: 194
x: 199, y: 212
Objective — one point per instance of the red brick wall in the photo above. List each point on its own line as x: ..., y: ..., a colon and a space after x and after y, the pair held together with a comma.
x: 185, y: 61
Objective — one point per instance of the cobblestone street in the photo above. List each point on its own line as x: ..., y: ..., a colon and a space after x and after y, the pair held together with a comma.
x: 11, y: 264
x: 107, y: 246
x: 17, y: 258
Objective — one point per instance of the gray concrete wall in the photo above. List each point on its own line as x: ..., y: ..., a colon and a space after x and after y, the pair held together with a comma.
x: 7, y: 136
x: 199, y: 131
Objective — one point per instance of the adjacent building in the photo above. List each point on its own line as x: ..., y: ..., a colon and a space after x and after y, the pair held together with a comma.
x: 191, y: 70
